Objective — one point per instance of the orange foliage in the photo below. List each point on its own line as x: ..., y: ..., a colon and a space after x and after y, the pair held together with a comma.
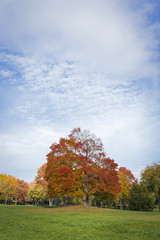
x: 22, y: 190
x: 40, y: 178
x: 126, y: 180
x: 77, y: 166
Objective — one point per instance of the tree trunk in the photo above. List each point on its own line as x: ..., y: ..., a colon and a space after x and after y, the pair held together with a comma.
x: 6, y: 197
x: 120, y: 202
x: 85, y: 197
x: 50, y: 201
x: 90, y: 200
x: 84, y: 200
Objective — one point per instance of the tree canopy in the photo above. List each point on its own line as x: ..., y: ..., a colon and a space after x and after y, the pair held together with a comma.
x: 150, y: 176
x: 140, y: 199
x: 8, y: 186
x: 78, y: 166
x: 126, y: 179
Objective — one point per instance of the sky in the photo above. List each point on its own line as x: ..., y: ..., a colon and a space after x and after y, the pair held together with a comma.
x: 92, y: 64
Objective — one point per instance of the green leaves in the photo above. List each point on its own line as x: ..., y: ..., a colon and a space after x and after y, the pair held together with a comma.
x: 36, y: 192
x: 140, y: 199
x: 150, y: 177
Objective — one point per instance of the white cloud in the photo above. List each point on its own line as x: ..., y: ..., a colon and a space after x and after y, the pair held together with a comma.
x: 25, y: 151
x: 5, y: 73
x: 92, y: 64
x: 108, y: 35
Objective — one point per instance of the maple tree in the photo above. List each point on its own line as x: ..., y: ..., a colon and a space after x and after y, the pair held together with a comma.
x: 8, y: 186
x: 126, y: 179
x: 40, y: 177
x: 41, y: 181
x: 21, y: 192
x: 78, y: 166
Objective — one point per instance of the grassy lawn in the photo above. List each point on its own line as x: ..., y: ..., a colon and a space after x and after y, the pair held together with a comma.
x: 38, y: 223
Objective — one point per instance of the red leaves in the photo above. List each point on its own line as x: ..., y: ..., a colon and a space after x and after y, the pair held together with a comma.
x: 11, y: 187
x: 128, y: 174
x: 77, y: 166
x: 22, y: 190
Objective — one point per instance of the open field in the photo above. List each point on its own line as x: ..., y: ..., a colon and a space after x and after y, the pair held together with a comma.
x: 77, y: 222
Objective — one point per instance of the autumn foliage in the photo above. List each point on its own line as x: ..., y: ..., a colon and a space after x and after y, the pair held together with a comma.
x: 38, y: 189
x: 12, y: 188
x: 21, y: 192
x: 78, y: 166
x: 8, y: 186
x: 126, y: 179
x: 40, y: 177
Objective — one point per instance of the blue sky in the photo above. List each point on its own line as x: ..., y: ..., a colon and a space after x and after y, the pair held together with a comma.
x: 89, y: 64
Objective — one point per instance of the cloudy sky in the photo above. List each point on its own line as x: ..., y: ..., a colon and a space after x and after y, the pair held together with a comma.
x: 92, y: 64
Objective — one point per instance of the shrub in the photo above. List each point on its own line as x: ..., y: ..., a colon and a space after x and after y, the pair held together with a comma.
x: 140, y: 199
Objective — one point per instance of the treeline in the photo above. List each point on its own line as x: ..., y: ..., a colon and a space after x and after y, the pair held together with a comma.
x: 79, y: 172
x: 12, y: 190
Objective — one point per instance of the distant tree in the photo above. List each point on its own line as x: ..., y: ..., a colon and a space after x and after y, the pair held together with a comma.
x: 40, y: 177
x: 126, y: 179
x: 8, y: 186
x: 1, y: 177
x: 77, y: 166
x: 151, y: 178
x: 22, y: 190
x: 140, y: 199
x: 41, y: 181
x: 36, y: 193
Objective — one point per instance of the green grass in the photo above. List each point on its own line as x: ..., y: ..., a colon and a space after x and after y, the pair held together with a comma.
x: 37, y: 223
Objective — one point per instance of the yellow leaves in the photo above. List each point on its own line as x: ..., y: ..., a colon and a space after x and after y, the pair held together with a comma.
x: 36, y: 191
x: 126, y: 178
x: 8, y: 186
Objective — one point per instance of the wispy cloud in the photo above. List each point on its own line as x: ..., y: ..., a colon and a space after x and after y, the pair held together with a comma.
x: 93, y: 64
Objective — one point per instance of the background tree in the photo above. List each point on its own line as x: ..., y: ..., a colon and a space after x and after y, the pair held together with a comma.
x: 77, y: 166
x: 1, y: 178
x: 140, y: 199
x: 8, y: 186
x: 126, y: 179
x: 40, y: 180
x: 36, y: 193
x: 40, y: 177
x: 151, y: 178
x: 22, y: 190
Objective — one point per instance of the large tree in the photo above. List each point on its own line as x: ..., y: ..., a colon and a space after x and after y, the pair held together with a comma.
x: 78, y: 166
x: 151, y: 178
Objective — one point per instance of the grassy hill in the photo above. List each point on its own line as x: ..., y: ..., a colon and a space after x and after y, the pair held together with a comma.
x: 77, y: 222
